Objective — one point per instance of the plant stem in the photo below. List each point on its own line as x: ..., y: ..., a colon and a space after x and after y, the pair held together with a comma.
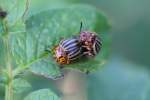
x: 8, y: 87
x: 73, y: 85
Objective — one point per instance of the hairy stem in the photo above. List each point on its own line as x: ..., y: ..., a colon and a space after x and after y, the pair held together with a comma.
x: 8, y: 87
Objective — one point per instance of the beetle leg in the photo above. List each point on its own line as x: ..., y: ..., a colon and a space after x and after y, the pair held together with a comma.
x: 87, y: 47
x: 68, y: 61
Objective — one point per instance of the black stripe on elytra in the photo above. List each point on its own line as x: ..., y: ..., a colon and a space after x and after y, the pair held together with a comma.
x: 68, y: 42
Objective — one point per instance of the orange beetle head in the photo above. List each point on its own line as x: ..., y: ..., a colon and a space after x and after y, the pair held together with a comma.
x: 62, y: 60
x: 60, y: 55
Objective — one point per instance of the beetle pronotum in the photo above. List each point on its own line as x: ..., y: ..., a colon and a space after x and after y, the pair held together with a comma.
x: 90, y: 41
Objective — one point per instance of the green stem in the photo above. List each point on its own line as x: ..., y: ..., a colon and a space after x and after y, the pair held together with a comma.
x: 8, y: 87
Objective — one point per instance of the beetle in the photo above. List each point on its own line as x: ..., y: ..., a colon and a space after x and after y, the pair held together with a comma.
x: 90, y: 41
x: 67, y: 50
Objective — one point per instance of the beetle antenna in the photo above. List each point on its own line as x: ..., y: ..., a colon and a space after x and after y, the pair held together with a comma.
x: 81, y: 25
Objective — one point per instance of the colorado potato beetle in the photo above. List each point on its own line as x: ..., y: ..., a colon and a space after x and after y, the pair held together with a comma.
x: 90, y: 41
x: 67, y: 50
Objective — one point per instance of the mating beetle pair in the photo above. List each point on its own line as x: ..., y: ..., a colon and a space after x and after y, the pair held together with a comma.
x: 86, y: 44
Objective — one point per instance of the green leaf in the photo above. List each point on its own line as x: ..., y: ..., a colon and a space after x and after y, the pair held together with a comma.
x: 41, y: 68
x: 42, y: 94
x: 29, y: 52
x: 21, y: 86
x: 65, y: 22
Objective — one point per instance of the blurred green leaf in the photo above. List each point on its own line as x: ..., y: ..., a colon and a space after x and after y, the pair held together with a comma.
x: 40, y: 5
x: 53, y: 24
x: 21, y: 86
x: 120, y: 79
x: 42, y: 94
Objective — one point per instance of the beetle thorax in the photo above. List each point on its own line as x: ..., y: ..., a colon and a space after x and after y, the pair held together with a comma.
x: 61, y: 56
x: 87, y: 38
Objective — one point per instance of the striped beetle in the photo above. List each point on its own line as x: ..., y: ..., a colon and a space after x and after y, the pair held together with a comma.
x: 90, y: 41
x: 67, y: 50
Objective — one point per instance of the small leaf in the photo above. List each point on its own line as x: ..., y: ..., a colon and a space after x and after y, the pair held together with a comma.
x: 42, y: 94
x: 21, y: 86
x: 40, y: 67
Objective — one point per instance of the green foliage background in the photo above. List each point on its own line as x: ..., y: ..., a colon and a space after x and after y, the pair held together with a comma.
x: 126, y: 75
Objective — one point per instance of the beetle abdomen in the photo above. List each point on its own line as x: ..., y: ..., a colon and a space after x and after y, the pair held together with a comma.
x: 91, y: 43
x: 97, y: 45
x: 72, y: 47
